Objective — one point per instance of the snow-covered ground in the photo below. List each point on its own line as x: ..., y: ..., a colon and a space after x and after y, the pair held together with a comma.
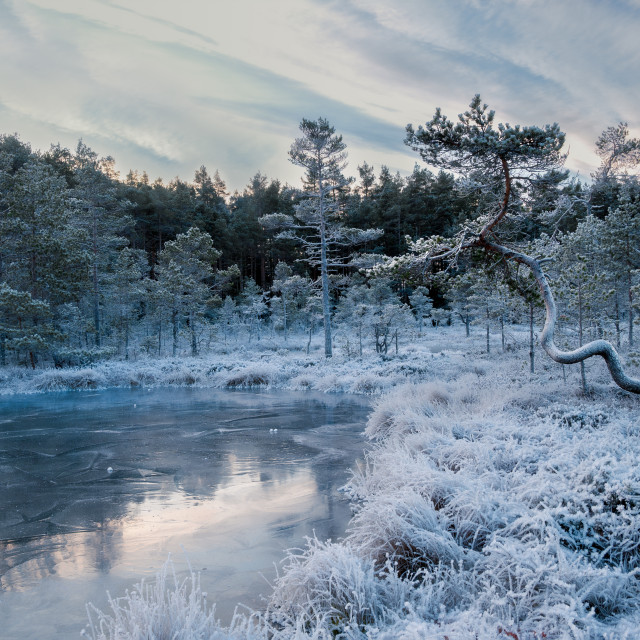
x: 495, y: 504
x: 268, y: 362
x: 441, y: 354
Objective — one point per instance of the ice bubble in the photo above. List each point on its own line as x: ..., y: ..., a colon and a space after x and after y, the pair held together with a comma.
x: 109, y: 469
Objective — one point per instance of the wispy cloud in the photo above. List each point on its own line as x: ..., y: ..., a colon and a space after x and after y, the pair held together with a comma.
x: 537, y: 61
x: 167, y: 88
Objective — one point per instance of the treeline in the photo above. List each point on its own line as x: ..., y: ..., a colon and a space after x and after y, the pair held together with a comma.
x: 94, y: 266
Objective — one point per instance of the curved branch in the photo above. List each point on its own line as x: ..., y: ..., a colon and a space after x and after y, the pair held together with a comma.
x: 473, y: 144
x: 595, y: 348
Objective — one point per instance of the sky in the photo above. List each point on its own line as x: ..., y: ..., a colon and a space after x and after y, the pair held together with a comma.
x: 166, y: 86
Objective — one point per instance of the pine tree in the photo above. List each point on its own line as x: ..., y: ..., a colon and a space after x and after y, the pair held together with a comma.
x: 185, y: 271
x: 42, y: 253
x: 507, y: 158
x: 621, y: 238
x: 252, y: 307
x: 103, y: 217
x: 422, y: 305
x: 578, y: 260
x: 24, y: 324
x: 125, y: 288
x: 459, y: 291
x: 388, y: 313
x: 355, y: 311
x: 210, y: 213
x: 316, y: 225
x: 227, y: 316
x: 293, y: 290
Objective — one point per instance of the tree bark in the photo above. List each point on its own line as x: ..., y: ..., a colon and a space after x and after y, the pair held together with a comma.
x: 532, y: 367
x: 488, y: 336
x: 324, y: 273
x: 284, y: 315
x: 630, y: 292
x: 583, y: 375
x: 617, y: 319
x: 174, y: 321
x: 194, y: 342
x: 96, y: 296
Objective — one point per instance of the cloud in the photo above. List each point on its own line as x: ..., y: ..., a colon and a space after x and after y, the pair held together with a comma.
x: 226, y: 84
x: 170, y: 26
x: 535, y: 61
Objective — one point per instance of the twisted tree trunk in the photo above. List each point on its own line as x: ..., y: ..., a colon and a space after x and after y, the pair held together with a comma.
x: 601, y: 348
x: 595, y: 348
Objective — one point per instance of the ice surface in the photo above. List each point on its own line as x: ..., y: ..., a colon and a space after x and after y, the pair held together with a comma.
x: 198, y: 469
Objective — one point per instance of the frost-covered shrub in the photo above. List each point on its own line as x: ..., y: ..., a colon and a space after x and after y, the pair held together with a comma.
x: 144, y: 375
x: 329, y: 587
x: 166, y: 609
x: 414, y: 408
x: 405, y: 529
x: 252, y: 376
x: 58, y: 380
x: 578, y: 419
x: 12, y: 379
x: 247, y: 380
x: 367, y: 385
x: 523, y: 580
x: 328, y: 580
x: 180, y: 376
x: 329, y: 383
x: 302, y: 381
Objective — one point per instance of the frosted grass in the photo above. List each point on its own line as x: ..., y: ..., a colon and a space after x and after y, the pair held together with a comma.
x: 265, y: 364
x: 166, y: 609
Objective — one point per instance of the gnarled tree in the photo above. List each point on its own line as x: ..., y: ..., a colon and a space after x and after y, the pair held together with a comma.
x: 513, y: 158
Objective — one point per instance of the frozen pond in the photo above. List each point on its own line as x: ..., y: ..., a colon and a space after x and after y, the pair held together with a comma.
x: 97, y: 488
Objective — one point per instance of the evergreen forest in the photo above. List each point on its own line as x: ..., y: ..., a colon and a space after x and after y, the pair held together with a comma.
x: 95, y: 266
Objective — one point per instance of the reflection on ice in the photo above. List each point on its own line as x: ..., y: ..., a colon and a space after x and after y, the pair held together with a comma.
x: 96, y: 493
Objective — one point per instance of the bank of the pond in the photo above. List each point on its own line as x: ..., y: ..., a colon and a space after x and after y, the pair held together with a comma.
x: 438, y: 354
x: 243, y: 366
